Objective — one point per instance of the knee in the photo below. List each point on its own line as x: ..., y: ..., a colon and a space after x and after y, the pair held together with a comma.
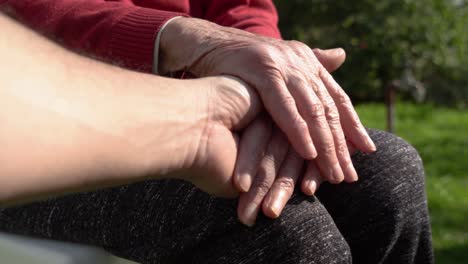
x: 308, y: 234
x: 395, y: 160
x: 394, y: 175
x: 304, y: 233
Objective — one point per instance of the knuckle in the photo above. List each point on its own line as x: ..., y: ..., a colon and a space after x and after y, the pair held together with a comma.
x: 327, y: 149
x: 342, y: 149
x: 272, y: 80
x: 316, y: 110
x: 261, y: 49
x: 357, y: 125
x: 288, y: 101
x: 299, y: 123
x: 296, y: 78
x: 297, y: 44
x: 343, y: 99
x: 265, y: 56
x: 329, y: 104
x: 268, y: 166
x: 332, y: 115
x: 285, y: 184
x: 261, y: 188
x: 266, y: 52
x: 324, y: 74
x: 289, y: 52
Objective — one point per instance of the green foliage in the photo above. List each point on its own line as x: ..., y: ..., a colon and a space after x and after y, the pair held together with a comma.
x: 440, y: 137
x: 383, y: 37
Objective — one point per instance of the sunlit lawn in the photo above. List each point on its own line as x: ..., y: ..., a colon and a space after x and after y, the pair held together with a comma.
x: 441, y: 137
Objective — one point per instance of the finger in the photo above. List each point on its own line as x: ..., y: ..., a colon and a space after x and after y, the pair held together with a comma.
x: 283, y: 187
x: 331, y: 59
x: 342, y: 151
x: 241, y: 98
x: 252, y: 146
x: 249, y: 202
x: 282, y: 108
x: 341, y: 148
x: 314, y: 112
x: 221, y: 185
x: 351, y: 148
x: 350, y: 121
x: 312, y: 179
x: 333, y: 118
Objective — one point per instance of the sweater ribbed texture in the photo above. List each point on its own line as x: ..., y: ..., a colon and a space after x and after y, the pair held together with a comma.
x: 132, y: 38
x: 124, y: 32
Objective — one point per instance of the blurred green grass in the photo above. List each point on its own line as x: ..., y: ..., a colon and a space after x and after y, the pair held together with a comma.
x: 441, y: 137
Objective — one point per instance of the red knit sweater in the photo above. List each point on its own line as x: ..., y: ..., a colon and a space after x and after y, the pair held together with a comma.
x: 125, y: 30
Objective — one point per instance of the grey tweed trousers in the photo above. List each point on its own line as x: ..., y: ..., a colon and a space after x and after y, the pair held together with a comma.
x: 382, y: 218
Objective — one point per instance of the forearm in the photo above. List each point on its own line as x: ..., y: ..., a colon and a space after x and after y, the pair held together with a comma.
x: 69, y: 123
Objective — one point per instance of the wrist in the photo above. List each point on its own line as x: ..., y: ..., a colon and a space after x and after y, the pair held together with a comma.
x: 183, y: 41
x: 157, y: 45
x: 185, y: 130
x: 165, y: 126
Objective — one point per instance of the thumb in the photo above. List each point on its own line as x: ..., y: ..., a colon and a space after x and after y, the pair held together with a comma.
x: 331, y: 59
x: 237, y: 102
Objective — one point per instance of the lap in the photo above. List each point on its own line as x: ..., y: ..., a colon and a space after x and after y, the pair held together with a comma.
x: 173, y: 222
x: 170, y: 221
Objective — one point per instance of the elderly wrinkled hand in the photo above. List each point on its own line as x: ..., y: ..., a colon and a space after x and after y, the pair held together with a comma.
x: 297, y: 91
x: 268, y: 168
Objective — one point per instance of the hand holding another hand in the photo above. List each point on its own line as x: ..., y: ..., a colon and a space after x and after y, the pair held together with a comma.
x: 296, y: 89
x: 267, y: 168
x: 309, y: 110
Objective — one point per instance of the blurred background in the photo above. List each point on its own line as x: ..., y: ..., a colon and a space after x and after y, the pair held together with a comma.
x: 416, y: 53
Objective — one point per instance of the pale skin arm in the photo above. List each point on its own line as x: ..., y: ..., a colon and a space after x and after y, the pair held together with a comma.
x: 68, y: 123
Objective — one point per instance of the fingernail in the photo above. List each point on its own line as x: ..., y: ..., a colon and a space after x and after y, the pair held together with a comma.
x: 353, y: 177
x: 371, y: 145
x: 338, y: 51
x: 338, y: 175
x: 250, y: 214
x: 278, y: 203
x: 245, y: 181
x: 312, y: 151
x: 312, y: 186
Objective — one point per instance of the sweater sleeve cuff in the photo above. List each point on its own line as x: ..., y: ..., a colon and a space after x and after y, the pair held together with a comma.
x: 132, y: 40
x: 156, y: 45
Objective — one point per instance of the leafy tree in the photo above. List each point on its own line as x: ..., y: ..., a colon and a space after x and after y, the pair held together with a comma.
x: 387, y: 39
